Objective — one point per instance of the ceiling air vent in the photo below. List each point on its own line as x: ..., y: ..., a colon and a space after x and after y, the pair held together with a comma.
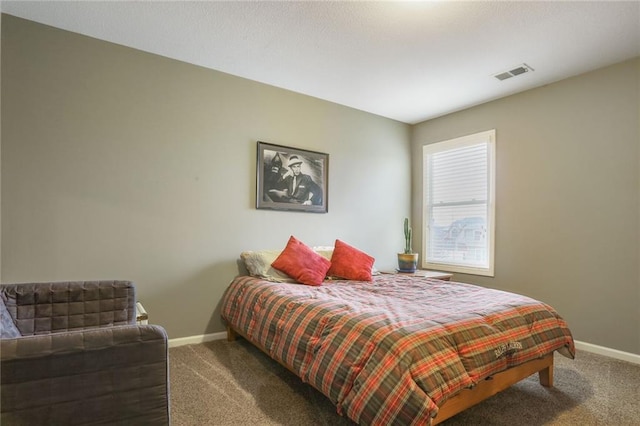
x: 520, y: 69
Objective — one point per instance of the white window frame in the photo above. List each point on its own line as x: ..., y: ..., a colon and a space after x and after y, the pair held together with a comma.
x: 488, y: 137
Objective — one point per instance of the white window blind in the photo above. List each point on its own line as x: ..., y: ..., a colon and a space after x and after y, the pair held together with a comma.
x: 458, y: 206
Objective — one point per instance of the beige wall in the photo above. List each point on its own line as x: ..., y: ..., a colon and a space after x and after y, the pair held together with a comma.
x: 567, y: 194
x: 122, y: 164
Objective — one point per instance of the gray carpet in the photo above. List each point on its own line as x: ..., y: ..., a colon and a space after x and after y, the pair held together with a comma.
x: 233, y: 383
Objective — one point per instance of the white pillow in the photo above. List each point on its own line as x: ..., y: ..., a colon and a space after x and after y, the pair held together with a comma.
x: 324, y: 251
x: 258, y: 264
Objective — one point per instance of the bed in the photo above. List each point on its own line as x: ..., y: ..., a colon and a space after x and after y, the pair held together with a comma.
x: 399, y: 349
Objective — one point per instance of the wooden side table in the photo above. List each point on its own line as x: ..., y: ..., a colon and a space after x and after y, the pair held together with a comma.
x: 141, y: 314
x: 444, y: 276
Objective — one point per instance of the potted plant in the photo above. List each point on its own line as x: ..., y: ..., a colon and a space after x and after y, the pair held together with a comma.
x: 407, y: 261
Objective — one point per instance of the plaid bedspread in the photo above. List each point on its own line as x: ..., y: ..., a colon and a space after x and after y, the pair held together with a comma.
x: 393, y: 350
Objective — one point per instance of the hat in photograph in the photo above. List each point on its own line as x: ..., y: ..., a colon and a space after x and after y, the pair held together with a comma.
x: 293, y: 160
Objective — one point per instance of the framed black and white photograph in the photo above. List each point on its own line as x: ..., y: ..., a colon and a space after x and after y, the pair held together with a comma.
x: 291, y: 179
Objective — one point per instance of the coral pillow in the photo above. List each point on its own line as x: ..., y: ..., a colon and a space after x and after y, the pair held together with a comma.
x: 300, y: 262
x: 350, y: 263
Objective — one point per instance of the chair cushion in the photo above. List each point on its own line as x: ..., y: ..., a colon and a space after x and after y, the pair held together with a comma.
x: 8, y: 329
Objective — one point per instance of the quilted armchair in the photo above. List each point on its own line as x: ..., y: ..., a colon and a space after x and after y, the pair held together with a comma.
x: 72, y: 353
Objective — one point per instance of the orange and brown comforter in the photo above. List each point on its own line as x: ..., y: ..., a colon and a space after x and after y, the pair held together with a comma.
x: 392, y: 350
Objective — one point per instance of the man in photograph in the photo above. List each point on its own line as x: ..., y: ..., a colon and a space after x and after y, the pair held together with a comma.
x: 297, y: 187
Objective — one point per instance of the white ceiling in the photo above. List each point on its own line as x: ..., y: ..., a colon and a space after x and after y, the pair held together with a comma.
x: 408, y: 61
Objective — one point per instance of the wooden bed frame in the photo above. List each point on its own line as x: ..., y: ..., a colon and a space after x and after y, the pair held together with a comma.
x: 468, y: 397
x: 494, y: 384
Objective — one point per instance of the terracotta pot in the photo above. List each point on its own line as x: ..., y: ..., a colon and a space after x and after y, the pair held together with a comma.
x: 407, y: 262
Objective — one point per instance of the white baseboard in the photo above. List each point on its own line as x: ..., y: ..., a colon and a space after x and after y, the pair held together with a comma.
x: 581, y: 346
x: 181, y: 341
x: 612, y: 353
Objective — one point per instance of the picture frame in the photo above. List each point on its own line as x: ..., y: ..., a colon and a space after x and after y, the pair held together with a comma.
x: 291, y: 179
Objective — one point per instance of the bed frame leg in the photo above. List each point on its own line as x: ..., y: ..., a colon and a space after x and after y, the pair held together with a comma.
x: 546, y: 376
x: 231, y: 334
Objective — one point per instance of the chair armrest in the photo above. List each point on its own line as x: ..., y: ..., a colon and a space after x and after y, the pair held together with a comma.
x: 106, y: 375
x: 39, y: 308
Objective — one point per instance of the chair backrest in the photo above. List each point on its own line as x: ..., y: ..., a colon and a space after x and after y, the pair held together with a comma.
x: 40, y: 308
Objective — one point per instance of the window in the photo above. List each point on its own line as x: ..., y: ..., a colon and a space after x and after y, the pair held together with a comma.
x: 459, y: 207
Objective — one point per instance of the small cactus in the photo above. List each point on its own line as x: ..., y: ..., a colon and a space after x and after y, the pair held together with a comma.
x: 407, y: 236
